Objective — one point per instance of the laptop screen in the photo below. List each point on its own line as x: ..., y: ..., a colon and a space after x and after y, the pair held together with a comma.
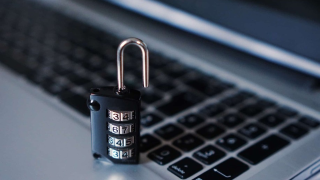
x: 280, y: 32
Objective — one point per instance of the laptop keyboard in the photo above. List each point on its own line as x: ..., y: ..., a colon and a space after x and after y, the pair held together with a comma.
x: 65, y: 58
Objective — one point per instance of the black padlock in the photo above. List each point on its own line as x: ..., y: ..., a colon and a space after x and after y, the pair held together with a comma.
x: 115, y: 114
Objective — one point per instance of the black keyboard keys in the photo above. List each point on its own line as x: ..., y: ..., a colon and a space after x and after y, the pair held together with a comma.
x: 309, y: 121
x: 164, y: 155
x: 209, y: 154
x: 252, y: 131
x: 212, y: 110
x: 169, y: 131
x: 272, y: 120
x: 210, y: 131
x: 231, y: 142
x: 294, y: 131
x: 263, y: 149
x: 150, y: 120
x: 188, y: 142
x: 179, y: 103
x: 229, y: 169
x: 191, y: 120
x: 231, y: 120
x: 185, y: 168
x: 148, y: 142
x: 251, y: 110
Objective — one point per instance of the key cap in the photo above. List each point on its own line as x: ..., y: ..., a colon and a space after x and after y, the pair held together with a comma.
x: 265, y: 103
x: 179, y: 103
x: 263, y: 149
x: 77, y: 102
x: 149, y: 96
x: 207, y: 87
x: 231, y: 120
x: 209, y: 154
x: 149, y: 120
x: 231, y: 142
x: 252, y: 131
x: 223, y: 170
x: 78, y: 80
x: 168, y: 131
x: 212, y: 110
x: 251, y: 110
x: 287, y: 112
x: 191, y: 120
x: 14, y: 65
x: 148, y: 142
x: 294, y: 131
x: 164, y: 85
x: 188, y: 142
x: 235, y: 99
x: 309, y: 121
x: 164, y: 155
x: 175, y: 70
x: 272, y: 120
x: 210, y: 131
x: 185, y: 168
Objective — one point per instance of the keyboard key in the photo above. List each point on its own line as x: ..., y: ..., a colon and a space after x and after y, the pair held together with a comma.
x: 287, y: 112
x: 148, y: 142
x: 78, y: 80
x: 212, y: 110
x: 14, y: 65
x: 231, y: 142
x: 150, y: 120
x: 251, y: 110
x: 235, y: 99
x: 309, y: 121
x: 169, y: 131
x: 263, y: 149
x: 294, y: 131
x: 229, y: 169
x: 272, y: 120
x: 149, y: 96
x: 210, y: 131
x: 77, y: 102
x: 231, y: 120
x: 179, y: 103
x: 207, y: 86
x: 265, y: 103
x: 164, y: 155
x: 175, y: 70
x: 165, y: 85
x: 188, y: 142
x: 185, y: 168
x: 252, y: 131
x: 191, y: 120
x: 209, y: 154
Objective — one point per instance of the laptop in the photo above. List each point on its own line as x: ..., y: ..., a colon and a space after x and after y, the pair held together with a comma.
x: 234, y: 88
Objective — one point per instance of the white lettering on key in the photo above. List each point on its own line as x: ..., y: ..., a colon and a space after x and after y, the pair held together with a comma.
x: 178, y: 169
x: 216, y: 170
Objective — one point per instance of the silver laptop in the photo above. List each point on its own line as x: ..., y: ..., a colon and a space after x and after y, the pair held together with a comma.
x: 234, y: 88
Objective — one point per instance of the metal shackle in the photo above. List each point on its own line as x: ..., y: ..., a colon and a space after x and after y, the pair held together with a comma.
x: 145, y: 61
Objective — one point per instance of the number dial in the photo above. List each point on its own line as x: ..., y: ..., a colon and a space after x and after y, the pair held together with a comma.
x: 121, y: 154
x: 121, y: 142
x: 121, y: 115
x: 121, y: 129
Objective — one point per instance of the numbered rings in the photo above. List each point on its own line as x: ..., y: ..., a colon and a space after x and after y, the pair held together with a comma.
x: 121, y: 115
x: 121, y: 142
x: 120, y: 129
x: 121, y: 154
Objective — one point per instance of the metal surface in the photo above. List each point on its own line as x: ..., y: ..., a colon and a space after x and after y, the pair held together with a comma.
x: 54, y: 143
x: 145, y: 61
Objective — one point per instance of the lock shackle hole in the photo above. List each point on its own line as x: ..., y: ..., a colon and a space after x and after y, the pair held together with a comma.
x: 145, y: 61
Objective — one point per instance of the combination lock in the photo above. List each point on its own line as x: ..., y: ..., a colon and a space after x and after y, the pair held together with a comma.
x: 115, y: 114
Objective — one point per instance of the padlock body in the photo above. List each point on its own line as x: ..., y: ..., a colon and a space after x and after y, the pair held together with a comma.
x: 115, y: 124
